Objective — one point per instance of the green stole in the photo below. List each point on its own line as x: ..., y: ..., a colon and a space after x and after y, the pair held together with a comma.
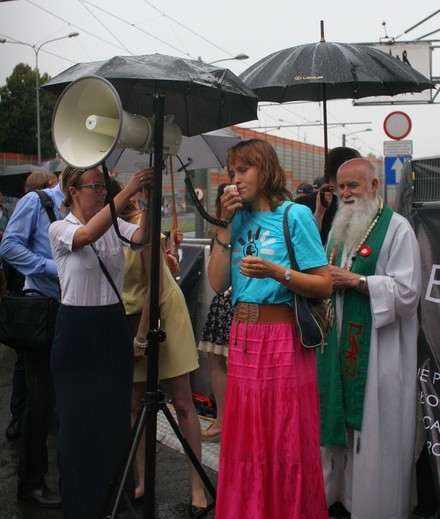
x: 342, y: 369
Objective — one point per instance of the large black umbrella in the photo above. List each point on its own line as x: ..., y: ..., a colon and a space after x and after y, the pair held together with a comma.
x: 201, y: 97
x: 324, y: 70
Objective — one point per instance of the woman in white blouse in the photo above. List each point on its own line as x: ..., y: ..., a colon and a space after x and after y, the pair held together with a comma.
x: 92, y: 353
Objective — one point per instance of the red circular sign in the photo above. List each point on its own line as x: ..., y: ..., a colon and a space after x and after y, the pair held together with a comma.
x: 397, y: 125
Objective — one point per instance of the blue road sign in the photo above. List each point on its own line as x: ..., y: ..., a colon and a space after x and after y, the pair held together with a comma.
x: 393, y: 168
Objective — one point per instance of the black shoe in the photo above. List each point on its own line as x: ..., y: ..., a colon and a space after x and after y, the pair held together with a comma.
x: 194, y: 511
x: 42, y: 497
x: 13, y: 430
x: 338, y: 511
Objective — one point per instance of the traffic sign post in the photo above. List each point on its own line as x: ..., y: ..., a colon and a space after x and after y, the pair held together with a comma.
x: 397, y: 125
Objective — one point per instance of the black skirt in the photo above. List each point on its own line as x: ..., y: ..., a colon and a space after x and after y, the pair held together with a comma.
x: 92, y: 367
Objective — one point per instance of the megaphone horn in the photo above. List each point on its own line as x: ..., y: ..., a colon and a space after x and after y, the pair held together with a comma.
x: 89, y: 122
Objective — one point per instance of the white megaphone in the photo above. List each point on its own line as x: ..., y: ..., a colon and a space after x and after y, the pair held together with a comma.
x: 89, y: 123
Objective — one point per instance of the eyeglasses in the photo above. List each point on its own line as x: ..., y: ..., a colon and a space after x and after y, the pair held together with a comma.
x: 97, y: 188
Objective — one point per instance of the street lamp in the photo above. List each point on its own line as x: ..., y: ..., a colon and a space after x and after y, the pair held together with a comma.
x: 345, y: 135
x: 238, y: 57
x: 36, y: 48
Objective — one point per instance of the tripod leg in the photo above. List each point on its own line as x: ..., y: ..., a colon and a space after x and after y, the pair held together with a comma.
x: 192, y: 457
x: 136, y: 435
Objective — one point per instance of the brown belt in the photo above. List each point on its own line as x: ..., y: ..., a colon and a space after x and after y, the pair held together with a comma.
x: 253, y: 313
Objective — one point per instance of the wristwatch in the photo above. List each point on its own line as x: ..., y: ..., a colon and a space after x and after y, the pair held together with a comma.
x: 287, y: 275
x: 362, y: 283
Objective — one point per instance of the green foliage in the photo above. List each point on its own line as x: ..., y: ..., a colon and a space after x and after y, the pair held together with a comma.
x: 18, y: 113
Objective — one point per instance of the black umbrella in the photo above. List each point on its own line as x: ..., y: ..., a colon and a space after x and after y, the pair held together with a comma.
x: 13, y: 178
x: 324, y: 70
x: 201, y: 97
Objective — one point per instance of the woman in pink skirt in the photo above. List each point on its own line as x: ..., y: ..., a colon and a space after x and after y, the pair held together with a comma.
x: 270, y: 462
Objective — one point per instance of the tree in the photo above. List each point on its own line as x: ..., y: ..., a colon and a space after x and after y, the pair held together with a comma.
x: 18, y: 113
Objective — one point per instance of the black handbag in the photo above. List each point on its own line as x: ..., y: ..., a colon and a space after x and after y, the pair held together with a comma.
x: 28, y: 320
x: 313, y: 317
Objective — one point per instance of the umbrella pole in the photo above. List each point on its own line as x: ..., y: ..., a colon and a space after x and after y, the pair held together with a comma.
x: 324, y: 109
x: 154, y: 399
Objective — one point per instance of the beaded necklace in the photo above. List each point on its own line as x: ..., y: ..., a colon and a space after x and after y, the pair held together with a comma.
x: 347, y: 265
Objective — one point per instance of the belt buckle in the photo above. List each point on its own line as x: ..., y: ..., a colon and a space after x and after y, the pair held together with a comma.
x: 247, y: 313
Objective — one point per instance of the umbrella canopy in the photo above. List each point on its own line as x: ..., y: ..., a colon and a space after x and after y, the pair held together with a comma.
x: 54, y: 165
x: 13, y: 178
x: 201, y: 97
x: 324, y: 70
x: 207, y: 150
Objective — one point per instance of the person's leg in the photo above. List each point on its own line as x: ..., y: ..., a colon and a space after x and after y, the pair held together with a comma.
x: 218, y: 369
x: 37, y: 418
x: 18, y: 397
x: 179, y: 389
x: 136, y: 403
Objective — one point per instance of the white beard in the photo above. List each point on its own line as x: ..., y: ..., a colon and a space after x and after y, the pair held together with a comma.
x: 352, y: 221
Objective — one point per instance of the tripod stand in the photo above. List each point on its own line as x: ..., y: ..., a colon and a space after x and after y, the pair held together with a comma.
x: 154, y: 400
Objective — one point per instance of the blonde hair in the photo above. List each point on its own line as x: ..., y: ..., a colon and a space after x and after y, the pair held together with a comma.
x: 259, y: 153
x: 39, y: 180
x: 70, y: 178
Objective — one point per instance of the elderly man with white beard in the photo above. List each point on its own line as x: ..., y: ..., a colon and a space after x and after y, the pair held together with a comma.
x: 368, y: 370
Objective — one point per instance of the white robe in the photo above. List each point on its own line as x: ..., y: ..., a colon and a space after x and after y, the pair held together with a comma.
x: 377, y: 482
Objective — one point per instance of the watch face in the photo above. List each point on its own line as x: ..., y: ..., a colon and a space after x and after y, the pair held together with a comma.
x: 362, y: 282
x: 287, y: 275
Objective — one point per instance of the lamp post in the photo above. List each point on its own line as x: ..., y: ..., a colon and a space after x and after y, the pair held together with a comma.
x: 345, y: 135
x: 238, y: 57
x: 36, y: 48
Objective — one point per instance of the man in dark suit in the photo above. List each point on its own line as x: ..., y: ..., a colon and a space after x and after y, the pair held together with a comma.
x: 325, y: 203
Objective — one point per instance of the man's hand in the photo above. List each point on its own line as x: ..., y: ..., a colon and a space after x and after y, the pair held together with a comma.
x: 342, y: 278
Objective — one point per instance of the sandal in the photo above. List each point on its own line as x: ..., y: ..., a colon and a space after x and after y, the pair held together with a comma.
x: 210, y: 436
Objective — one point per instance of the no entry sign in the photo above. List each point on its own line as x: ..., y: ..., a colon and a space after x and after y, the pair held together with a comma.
x: 397, y: 125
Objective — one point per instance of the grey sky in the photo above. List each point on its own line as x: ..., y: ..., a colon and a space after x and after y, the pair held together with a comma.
x: 216, y: 30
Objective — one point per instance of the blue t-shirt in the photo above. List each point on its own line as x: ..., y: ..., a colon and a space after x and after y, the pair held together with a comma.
x: 261, y: 234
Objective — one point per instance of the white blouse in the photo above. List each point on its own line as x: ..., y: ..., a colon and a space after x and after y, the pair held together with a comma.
x: 82, y: 280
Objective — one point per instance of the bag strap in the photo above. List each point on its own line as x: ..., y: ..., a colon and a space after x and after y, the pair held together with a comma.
x: 107, y: 274
x: 286, y: 231
x: 47, y: 203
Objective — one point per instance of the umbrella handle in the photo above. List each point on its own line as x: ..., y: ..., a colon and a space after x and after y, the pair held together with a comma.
x: 173, y: 198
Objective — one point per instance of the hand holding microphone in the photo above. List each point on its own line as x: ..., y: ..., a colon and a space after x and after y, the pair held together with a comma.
x: 231, y: 201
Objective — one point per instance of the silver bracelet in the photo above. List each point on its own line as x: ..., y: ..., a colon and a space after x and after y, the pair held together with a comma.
x: 224, y: 246
x: 140, y: 344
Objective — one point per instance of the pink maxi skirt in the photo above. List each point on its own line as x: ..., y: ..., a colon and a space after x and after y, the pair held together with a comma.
x: 270, y: 465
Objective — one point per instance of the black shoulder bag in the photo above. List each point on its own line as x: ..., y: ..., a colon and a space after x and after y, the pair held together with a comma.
x: 314, y: 317
x: 28, y: 320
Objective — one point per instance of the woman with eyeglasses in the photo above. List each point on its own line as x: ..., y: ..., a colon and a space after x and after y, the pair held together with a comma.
x: 92, y: 353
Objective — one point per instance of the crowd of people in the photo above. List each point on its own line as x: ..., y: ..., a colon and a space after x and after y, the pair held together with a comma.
x: 304, y: 433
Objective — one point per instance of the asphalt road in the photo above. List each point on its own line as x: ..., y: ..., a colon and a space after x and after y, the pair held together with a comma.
x: 172, y: 475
